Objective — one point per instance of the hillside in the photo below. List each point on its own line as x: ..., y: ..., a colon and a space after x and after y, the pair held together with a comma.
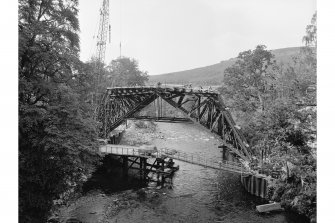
x: 213, y: 74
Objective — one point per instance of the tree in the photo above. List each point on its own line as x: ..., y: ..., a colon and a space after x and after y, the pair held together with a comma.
x: 282, y: 135
x: 56, y: 152
x: 124, y: 71
x: 248, y: 82
x: 310, y: 39
x: 48, y: 47
x: 94, y: 80
x: 298, y: 79
x: 57, y: 137
x: 293, y: 131
x: 309, y: 58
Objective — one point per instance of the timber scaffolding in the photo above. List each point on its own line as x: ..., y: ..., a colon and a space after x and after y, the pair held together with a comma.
x: 133, y: 151
x: 136, y: 158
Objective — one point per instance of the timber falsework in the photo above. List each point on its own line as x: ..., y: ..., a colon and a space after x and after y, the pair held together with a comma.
x: 205, y: 108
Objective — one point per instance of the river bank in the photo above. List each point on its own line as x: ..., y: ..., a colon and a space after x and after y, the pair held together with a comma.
x: 126, y: 206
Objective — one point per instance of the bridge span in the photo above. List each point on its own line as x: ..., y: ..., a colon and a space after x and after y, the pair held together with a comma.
x: 202, y: 107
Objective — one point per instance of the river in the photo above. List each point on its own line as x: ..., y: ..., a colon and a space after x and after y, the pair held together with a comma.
x: 204, y: 194
x: 198, y: 194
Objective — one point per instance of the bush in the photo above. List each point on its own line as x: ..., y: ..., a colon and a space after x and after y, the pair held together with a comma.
x: 149, y: 125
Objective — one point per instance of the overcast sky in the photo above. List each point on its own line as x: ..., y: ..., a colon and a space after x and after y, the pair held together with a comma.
x: 174, y: 35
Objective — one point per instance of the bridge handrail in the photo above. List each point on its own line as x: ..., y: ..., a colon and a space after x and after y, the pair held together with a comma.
x: 208, y: 162
x: 124, y: 150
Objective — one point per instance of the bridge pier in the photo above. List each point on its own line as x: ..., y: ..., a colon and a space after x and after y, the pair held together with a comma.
x: 227, y: 154
x: 224, y: 152
x: 160, y: 170
x: 255, y: 185
x: 143, y: 168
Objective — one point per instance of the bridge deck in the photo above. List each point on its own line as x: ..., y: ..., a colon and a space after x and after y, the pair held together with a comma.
x: 134, y: 151
x: 122, y: 150
x: 151, y: 89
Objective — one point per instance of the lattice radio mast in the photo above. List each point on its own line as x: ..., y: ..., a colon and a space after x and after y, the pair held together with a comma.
x: 104, y: 27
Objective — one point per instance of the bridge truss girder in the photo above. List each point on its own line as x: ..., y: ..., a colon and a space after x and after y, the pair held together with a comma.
x: 206, y: 109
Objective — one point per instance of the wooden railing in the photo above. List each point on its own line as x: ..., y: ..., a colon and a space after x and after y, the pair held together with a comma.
x: 120, y: 150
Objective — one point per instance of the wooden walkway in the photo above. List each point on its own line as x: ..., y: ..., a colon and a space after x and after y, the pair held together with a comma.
x: 122, y: 150
x: 134, y: 151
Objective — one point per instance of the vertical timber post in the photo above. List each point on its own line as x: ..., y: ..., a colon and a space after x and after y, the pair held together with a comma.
x: 125, y: 166
x: 143, y: 167
x: 158, y: 108
x: 161, y: 107
x: 224, y: 151
x: 198, y: 112
x: 163, y: 176
x: 141, y: 160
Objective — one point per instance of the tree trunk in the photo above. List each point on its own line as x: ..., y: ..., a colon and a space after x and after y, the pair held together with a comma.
x: 260, y: 101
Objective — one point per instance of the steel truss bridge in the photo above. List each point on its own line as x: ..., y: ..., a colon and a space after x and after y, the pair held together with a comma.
x: 204, y: 108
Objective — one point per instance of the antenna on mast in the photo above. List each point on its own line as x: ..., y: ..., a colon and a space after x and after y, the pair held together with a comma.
x: 120, y: 49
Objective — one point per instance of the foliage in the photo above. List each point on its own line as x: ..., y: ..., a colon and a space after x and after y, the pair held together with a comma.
x: 281, y: 137
x: 148, y: 125
x: 56, y: 133
x: 248, y: 82
x: 48, y: 47
x: 56, y: 153
x: 124, y: 71
x: 310, y: 38
x: 298, y: 80
x: 276, y: 106
x: 94, y: 75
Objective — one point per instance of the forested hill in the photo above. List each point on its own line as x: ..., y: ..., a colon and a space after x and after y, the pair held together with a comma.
x: 213, y: 74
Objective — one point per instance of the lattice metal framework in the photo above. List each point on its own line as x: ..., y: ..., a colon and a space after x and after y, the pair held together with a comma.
x: 203, y: 108
x: 102, y: 33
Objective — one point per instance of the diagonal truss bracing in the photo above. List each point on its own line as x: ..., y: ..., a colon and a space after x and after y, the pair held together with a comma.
x: 206, y: 109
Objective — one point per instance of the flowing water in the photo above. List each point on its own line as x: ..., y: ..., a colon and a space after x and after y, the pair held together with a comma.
x: 198, y: 194
x: 202, y: 194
